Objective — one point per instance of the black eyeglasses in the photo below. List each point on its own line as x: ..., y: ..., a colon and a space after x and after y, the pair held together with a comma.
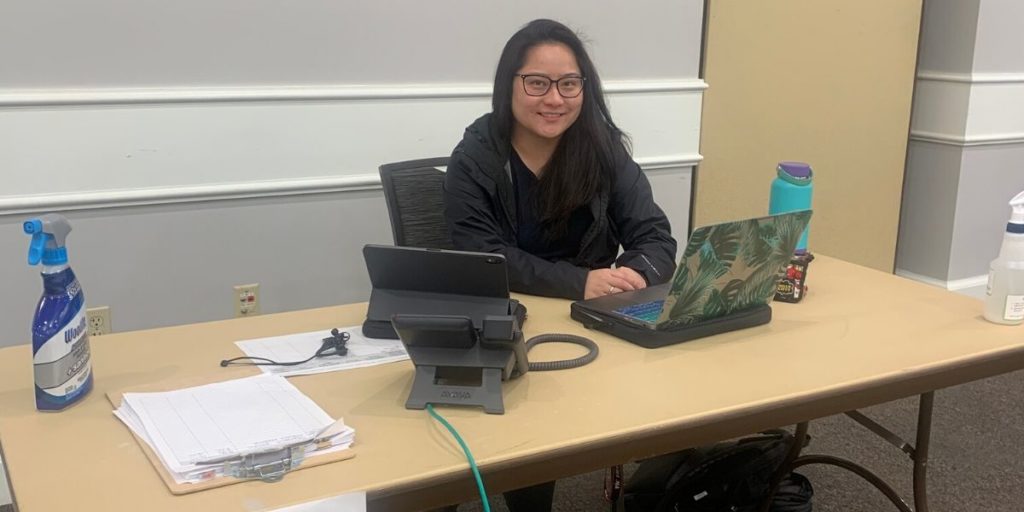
x: 567, y: 86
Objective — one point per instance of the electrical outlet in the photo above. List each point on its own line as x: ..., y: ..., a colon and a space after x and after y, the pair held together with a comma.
x: 99, y: 320
x: 247, y: 300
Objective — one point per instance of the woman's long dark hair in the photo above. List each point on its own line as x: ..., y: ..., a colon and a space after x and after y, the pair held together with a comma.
x: 584, y: 161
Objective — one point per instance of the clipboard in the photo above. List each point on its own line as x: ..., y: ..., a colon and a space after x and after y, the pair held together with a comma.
x: 116, y: 397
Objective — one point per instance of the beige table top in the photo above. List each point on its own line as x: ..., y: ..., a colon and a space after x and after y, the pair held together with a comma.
x: 861, y: 337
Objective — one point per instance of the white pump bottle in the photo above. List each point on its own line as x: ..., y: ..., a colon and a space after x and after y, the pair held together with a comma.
x: 1004, y: 302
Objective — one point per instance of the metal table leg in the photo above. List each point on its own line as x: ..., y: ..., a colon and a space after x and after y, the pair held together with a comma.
x: 924, y: 434
x: 918, y: 455
x: 859, y: 470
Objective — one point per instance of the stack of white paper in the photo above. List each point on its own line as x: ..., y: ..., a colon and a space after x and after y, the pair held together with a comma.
x: 189, y: 427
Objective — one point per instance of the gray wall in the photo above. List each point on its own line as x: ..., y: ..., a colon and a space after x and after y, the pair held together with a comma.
x: 990, y: 176
x: 197, y: 146
x: 928, y: 210
x: 999, y: 46
x: 967, y: 141
x: 173, y: 264
x: 147, y: 43
x: 947, y: 35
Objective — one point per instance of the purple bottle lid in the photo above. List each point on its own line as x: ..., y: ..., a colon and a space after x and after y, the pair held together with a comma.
x: 797, y: 173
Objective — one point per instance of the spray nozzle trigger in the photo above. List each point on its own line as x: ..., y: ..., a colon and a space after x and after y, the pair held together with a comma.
x: 48, y: 235
x: 36, y: 248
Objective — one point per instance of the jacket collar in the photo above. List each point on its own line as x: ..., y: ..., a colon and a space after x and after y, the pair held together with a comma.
x: 482, y: 143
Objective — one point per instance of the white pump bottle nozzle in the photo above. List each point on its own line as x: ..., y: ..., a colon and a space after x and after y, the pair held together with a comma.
x: 1017, y: 203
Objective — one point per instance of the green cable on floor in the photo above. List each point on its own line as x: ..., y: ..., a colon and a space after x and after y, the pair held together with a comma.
x: 469, y: 456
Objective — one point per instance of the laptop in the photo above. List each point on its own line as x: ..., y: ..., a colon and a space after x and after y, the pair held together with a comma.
x: 726, y: 277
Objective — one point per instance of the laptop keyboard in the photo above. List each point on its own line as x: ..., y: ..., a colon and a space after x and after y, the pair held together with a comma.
x: 647, y: 311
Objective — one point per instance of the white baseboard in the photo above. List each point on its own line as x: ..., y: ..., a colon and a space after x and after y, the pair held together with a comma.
x: 964, y: 141
x: 955, y: 285
x: 971, y: 78
x: 243, y: 190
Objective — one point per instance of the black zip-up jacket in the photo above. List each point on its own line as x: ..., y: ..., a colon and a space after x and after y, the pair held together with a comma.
x: 480, y: 212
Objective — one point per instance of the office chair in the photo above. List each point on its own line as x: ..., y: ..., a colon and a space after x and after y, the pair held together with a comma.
x: 415, y: 201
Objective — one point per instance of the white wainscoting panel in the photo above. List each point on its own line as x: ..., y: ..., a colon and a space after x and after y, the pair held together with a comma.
x: 94, y: 149
x: 940, y: 110
x: 996, y: 113
x: 966, y: 109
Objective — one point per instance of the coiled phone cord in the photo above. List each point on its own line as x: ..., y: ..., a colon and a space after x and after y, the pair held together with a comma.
x: 544, y: 366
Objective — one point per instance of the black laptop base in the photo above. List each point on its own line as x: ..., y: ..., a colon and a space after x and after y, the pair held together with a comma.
x: 652, y: 338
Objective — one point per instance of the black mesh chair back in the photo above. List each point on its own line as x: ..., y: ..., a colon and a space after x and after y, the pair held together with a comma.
x: 413, y: 191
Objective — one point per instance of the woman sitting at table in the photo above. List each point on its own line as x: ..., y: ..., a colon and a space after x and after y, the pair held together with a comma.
x: 546, y: 178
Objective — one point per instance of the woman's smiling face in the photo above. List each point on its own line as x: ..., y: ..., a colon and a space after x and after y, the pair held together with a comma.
x: 547, y: 116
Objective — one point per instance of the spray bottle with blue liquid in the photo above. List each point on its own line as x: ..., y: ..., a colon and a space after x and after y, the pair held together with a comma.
x: 60, y: 334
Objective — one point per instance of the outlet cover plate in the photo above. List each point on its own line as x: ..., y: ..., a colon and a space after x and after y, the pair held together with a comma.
x: 99, y: 320
x: 247, y: 300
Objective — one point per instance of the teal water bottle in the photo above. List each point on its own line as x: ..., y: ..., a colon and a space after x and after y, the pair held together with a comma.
x: 791, y: 191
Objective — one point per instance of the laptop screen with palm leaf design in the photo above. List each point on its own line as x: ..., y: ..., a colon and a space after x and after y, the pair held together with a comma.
x: 730, y: 267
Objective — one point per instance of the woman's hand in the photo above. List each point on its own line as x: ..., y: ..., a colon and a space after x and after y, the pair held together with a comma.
x: 634, y: 277
x: 606, y: 281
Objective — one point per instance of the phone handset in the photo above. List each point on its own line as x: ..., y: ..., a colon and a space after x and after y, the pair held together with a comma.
x: 503, y: 332
x: 430, y: 340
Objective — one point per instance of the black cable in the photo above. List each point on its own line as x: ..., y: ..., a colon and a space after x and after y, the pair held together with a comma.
x: 568, y: 363
x: 333, y: 345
